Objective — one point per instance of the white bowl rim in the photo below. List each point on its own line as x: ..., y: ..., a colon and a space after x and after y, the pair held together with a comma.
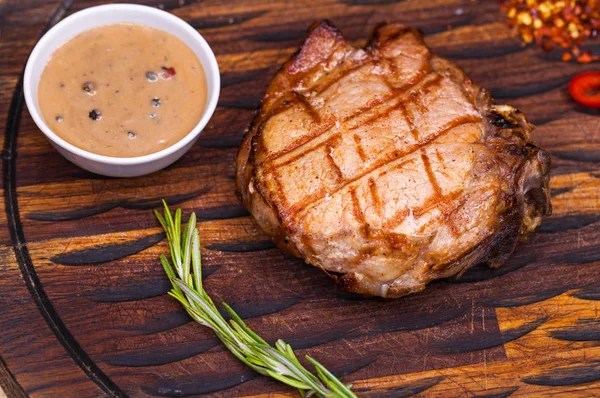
x: 211, y: 104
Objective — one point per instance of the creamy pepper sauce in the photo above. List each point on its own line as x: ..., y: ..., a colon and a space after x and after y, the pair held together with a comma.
x: 122, y: 90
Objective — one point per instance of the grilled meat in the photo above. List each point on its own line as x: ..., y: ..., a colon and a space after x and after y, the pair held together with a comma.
x: 386, y: 166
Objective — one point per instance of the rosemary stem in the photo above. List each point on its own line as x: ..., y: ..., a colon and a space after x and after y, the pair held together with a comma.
x: 279, y: 362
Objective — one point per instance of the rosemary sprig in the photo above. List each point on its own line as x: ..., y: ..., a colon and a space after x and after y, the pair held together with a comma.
x: 279, y: 361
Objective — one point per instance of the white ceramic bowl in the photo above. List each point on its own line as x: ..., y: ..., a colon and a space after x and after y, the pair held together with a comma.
x: 110, y: 14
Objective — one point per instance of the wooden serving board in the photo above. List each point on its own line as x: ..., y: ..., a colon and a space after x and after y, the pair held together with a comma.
x: 83, y: 309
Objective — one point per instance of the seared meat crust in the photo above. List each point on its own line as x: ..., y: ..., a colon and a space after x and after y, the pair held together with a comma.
x: 386, y: 166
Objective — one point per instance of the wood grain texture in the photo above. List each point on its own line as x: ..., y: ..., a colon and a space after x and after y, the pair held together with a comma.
x: 84, y: 311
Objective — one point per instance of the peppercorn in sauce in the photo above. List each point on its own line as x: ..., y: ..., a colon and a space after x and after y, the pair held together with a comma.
x: 122, y: 90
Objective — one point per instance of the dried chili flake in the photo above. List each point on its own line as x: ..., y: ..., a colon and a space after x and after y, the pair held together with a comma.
x: 167, y: 72
x: 586, y: 57
x: 555, y: 23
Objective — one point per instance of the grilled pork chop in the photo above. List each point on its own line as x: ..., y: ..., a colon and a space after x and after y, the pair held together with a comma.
x: 386, y: 166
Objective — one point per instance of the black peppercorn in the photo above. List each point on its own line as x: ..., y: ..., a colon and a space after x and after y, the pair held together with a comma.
x: 156, y: 102
x: 151, y: 76
x: 95, y: 115
x: 88, y: 87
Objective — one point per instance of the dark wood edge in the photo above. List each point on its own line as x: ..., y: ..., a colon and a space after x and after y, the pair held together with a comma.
x: 9, y: 384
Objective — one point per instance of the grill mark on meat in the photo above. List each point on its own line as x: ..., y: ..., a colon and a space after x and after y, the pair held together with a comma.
x: 388, y: 84
x: 397, y: 95
x: 319, y: 132
x: 331, y: 143
x: 452, y: 226
x: 408, y: 117
x: 300, y: 99
x: 426, y: 163
x: 441, y: 203
x: 359, y: 148
x: 416, y: 97
x: 395, y: 167
x: 396, y: 219
x: 329, y: 146
x: 419, y: 104
x: 279, y: 106
x: 400, y: 105
x: 439, y: 157
x: 312, y: 199
x: 307, y: 205
x: 316, y: 133
x: 280, y: 191
x: 358, y: 213
x: 286, y: 101
x: 447, y: 206
x: 339, y: 74
x: 432, y: 180
x: 258, y: 141
x: 375, y: 198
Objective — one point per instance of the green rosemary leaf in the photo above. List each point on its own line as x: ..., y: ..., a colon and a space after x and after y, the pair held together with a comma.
x: 177, y: 224
x: 161, y: 220
x: 290, y: 352
x: 242, y: 333
x: 173, y: 238
x: 209, y: 311
x: 196, y: 262
x: 289, y: 381
x: 169, y: 271
x: 167, y: 266
x: 242, y: 324
x: 187, y: 243
x: 330, y: 378
x: 256, y: 365
x: 257, y: 361
x: 300, y: 372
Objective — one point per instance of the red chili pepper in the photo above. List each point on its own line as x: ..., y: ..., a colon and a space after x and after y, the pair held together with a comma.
x: 585, y: 89
x: 167, y: 72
